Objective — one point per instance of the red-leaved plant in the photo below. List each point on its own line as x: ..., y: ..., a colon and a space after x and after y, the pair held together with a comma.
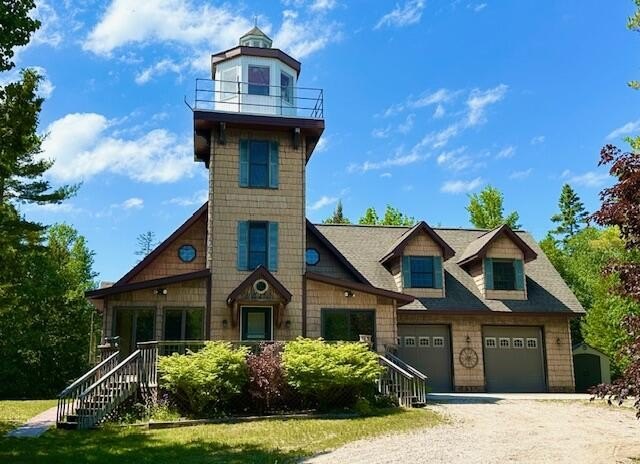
x: 267, y: 384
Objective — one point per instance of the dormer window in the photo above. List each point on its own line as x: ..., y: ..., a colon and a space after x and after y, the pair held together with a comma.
x: 422, y: 271
x: 504, y: 274
x: 258, y: 77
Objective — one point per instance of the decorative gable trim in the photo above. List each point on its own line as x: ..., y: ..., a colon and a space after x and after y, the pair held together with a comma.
x: 478, y: 249
x: 261, y: 272
x: 202, y: 211
x: 336, y: 253
x: 421, y: 227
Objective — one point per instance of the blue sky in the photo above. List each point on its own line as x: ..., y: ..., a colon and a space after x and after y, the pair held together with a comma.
x: 425, y: 102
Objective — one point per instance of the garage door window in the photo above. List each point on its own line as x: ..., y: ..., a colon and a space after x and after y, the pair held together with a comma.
x: 505, y: 343
x: 410, y: 342
x: 347, y: 324
x: 424, y: 342
x: 438, y: 342
x: 518, y: 343
x: 490, y: 342
x: 532, y: 343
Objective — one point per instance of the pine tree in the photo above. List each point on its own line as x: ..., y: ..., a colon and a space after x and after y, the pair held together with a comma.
x: 146, y: 243
x: 572, y: 213
x: 337, y: 217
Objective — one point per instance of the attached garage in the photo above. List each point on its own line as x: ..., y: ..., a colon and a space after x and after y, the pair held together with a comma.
x: 428, y: 348
x: 513, y: 359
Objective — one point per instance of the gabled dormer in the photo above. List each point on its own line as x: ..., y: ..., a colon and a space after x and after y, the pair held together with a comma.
x: 415, y: 260
x: 496, y: 261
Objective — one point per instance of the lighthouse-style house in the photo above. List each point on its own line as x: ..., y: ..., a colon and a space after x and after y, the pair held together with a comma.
x: 474, y: 310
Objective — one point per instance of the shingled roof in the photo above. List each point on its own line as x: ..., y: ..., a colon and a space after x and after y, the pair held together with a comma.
x: 364, y: 245
x: 477, y: 249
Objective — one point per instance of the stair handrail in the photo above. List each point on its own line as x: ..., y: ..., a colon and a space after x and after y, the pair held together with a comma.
x: 68, y: 397
x: 409, y: 388
x: 103, y: 396
x: 406, y: 366
x: 394, y: 366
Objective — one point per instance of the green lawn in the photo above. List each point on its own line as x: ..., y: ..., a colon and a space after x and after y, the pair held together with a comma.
x: 15, y: 413
x: 268, y: 441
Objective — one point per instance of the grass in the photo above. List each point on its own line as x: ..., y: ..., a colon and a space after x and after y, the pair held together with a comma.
x: 268, y: 441
x: 15, y: 413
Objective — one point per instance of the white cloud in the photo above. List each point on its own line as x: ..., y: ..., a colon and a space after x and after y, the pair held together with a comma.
x: 406, y: 126
x: 322, y: 144
x: 461, y: 186
x: 588, y: 179
x: 197, y: 199
x: 322, y: 202
x: 402, y: 15
x: 628, y: 128
x: 439, y: 112
x: 386, y: 175
x: 161, y: 67
x: 381, y: 133
x: 455, y: 160
x: 506, y: 152
x: 133, y: 203
x: 323, y: 5
x: 177, y: 21
x: 516, y: 175
x: 393, y: 110
x: 477, y: 7
x: 479, y: 100
x: 437, y: 97
x: 399, y: 159
x: 538, y: 139
x: 82, y: 148
x: 302, y: 38
x: 442, y: 137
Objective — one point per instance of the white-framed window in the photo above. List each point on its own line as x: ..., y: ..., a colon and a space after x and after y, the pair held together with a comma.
x: 410, y: 341
x: 532, y: 343
x: 490, y: 342
x: 424, y: 342
x: 286, y: 87
x: 259, y: 79
x: 518, y: 342
x: 229, y: 83
x: 438, y: 342
x: 504, y: 342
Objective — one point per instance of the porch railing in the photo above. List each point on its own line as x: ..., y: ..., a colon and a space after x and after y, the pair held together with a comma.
x: 406, y: 384
x: 69, y: 397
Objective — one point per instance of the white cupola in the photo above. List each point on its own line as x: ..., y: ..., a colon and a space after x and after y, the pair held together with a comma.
x: 255, y: 38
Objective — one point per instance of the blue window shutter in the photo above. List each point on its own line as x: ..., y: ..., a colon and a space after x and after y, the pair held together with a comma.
x: 243, y: 245
x: 519, y: 268
x: 244, y: 163
x: 273, y: 246
x: 406, y: 271
x: 488, y: 274
x: 437, y: 272
x: 273, y: 164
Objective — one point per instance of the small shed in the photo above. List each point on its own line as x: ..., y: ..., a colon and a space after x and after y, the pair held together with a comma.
x: 591, y: 367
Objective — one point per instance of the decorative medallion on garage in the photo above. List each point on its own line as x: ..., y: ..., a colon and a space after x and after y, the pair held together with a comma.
x: 259, y: 287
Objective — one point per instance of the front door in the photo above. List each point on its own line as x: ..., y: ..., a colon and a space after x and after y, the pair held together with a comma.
x: 587, y: 371
x: 256, y: 323
x: 134, y: 325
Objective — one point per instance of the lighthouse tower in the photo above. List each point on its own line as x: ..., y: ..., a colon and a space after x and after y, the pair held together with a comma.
x: 255, y: 130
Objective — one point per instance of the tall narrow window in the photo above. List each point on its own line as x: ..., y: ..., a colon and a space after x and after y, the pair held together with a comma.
x: 228, y: 83
x: 421, y: 272
x: 286, y: 87
x: 504, y: 275
x: 258, y: 164
x: 258, y: 245
x: 258, y: 80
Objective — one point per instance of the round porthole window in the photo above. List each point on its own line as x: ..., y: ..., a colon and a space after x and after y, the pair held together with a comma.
x: 187, y: 253
x: 312, y: 256
x: 260, y: 286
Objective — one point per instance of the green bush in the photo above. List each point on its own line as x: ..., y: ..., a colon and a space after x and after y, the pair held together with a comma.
x: 204, y: 382
x: 331, y: 374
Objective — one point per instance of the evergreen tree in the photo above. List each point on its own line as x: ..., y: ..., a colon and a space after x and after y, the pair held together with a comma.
x: 486, y: 210
x: 17, y: 27
x: 572, y: 214
x: 337, y: 217
x: 146, y: 243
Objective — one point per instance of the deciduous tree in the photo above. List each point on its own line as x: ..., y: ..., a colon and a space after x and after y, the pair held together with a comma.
x: 486, y: 210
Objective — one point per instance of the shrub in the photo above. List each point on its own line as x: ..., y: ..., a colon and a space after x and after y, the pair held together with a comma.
x: 205, y: 381
x: 333, y: 375
x: 267, y: 386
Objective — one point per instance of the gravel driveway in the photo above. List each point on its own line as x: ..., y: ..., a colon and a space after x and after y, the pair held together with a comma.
x: 518, y: 431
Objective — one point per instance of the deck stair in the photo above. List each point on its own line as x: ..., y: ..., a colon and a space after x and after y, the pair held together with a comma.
x: 95, y: 395
x: 402, y: 381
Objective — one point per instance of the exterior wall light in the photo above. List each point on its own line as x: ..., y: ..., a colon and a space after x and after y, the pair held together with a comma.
x: 225, y: 323
x: 160, y: 291
x: 348, y: 294
x: 287, y: 324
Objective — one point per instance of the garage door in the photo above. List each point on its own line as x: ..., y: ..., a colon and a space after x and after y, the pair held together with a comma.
x: 428, y: 349
x: 513, y: 359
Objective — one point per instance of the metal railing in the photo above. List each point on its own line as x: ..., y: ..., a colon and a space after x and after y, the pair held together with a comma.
x: 68, y: 398
x: 404, y: 384
x: 252, y: 98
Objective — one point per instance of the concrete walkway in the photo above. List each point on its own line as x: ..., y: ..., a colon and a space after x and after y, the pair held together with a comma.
x: 37, y: 425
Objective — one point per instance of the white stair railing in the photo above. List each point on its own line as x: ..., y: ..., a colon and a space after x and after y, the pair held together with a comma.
x: 403, y: 382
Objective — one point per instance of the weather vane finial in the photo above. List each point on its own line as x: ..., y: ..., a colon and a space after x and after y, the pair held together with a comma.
x: 255, y: 20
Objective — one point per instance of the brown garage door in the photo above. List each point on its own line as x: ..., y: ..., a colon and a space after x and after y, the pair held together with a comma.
x: 513, y: 359
x: 428, y: 348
